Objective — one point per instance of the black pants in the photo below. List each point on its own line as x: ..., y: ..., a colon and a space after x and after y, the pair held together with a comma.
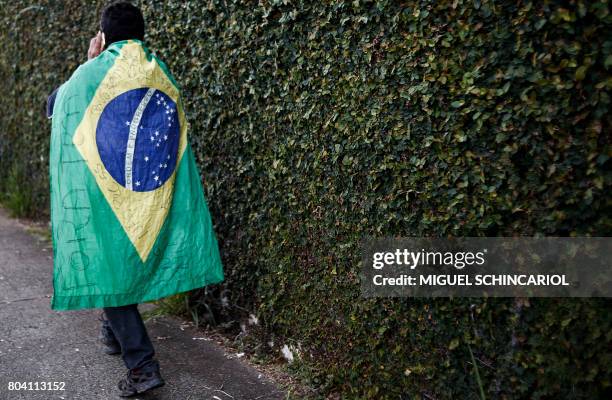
x: 129, y: 330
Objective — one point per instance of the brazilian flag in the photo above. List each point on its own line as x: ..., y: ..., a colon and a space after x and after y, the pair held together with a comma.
x: 129, y: 218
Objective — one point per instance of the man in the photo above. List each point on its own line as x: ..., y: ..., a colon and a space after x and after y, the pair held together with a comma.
x: 129, y: 219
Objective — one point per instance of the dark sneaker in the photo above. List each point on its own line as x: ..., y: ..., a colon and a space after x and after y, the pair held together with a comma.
x: 138, y: 382
x: 107, y: 338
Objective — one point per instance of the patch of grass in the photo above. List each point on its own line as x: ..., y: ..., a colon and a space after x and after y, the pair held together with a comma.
x: 309, y: 385
x: 172, y: 305
x: 41, y: 233
x: 17, y: 198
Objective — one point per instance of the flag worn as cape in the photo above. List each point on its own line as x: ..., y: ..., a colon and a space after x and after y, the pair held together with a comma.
x: 129, y: 218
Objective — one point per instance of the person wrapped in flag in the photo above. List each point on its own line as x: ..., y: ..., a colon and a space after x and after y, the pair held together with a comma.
x: 130, y: 222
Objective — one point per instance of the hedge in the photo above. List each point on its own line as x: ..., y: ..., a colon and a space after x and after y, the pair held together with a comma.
x: 317, y: 123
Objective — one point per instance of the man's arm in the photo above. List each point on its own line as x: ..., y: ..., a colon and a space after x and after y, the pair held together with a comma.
x: 96, y: 45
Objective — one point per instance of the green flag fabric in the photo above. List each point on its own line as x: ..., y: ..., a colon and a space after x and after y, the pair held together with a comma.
x: 129, y: 218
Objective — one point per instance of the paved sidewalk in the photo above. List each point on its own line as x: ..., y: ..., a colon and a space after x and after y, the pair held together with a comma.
x: 41, y: 345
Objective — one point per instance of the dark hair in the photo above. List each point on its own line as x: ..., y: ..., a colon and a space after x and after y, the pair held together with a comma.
x: 121, y: 21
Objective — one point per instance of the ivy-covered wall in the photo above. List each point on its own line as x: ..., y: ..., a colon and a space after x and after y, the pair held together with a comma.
x: 316, y: 123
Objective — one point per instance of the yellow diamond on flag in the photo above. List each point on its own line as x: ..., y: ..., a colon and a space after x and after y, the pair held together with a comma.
x: 132, y: 137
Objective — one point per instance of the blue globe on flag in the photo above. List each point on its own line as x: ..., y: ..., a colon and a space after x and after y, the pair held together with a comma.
x: 137, y: 138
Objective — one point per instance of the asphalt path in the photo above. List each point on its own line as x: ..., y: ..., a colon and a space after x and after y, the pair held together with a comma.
x: 39, y: 345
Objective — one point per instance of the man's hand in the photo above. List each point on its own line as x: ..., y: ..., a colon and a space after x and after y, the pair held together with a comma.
x: 96, y: 44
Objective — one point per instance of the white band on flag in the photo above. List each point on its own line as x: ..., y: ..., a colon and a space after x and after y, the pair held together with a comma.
x: 131, y: 143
